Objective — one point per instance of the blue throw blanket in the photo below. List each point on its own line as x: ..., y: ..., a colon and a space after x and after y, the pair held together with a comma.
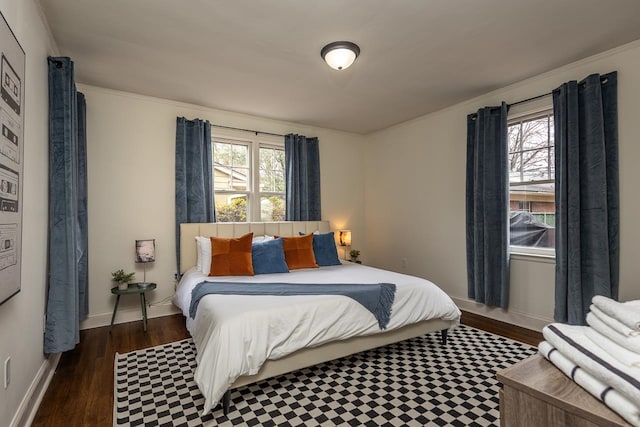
x: 377, y: 298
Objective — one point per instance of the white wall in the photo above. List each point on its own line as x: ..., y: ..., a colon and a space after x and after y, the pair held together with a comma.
x: 131, y: 152
x: 422, y: 162
x: 21, y: 318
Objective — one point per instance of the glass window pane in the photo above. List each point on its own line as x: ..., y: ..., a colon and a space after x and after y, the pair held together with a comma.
x: 272, y: 208
x: 222, y: 153
x: 231, y: 207
x: 279, y: 160
x: 272, y: 170
x: 536, y: 165
x: 514, y: 138
x: 264, y: 181
x: 532, y: 215
x: 240, y: 155
x: 515, y: 167
x: 239, y: 178
x: 222, y: 178
x: 532, y: 197
x: 534, y: 133
x: 230, y: 166
x: 278, y: 181
x: 515, y: 153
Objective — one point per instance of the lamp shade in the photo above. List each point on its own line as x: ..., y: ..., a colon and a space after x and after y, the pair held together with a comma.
x: 340, y: 55
x: 146, y: 250
x: 345, y: 237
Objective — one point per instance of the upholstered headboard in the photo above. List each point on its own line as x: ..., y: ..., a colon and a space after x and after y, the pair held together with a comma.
x: 188, y: 232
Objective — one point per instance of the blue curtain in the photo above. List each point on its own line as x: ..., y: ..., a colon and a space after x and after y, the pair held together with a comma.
x: 83, y: 219
x: 194, y: 175
x: 302, y: 169
x: 67, y: 294
x: 487, y: 207
x: 587, y: 210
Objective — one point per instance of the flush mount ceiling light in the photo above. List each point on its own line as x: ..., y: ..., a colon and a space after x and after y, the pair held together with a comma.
x: 340, y: 55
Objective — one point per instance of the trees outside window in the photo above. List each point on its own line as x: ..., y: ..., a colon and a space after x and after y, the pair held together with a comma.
x: 235, y: 211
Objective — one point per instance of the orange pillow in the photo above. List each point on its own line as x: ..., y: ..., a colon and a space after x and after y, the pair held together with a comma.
x: 231, y: 257
x: 298, y: 252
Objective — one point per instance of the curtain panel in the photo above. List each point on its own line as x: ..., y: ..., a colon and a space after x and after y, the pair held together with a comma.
x: 587, y: 199
x: 302, y: 170
x: 487, y: 207
x: 83, y: 218
x: 194, y: 175
x: 67, y: 293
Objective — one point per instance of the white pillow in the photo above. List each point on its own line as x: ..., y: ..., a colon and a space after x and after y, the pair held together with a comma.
x: 204, y: 254
x: 198, y: 255
x: 260, y: 239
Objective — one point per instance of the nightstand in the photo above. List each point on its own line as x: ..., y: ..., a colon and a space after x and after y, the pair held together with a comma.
x: 133, y: 289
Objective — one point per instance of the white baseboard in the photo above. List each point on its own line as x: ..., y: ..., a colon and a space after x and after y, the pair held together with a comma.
x: 33, y: 397
x: 508, y: 316
x: 130, y: 315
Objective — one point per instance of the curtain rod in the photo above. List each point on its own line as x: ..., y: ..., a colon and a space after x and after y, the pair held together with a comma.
x: 603, y: 80
x: 533, y: 98
x: 247, y: 130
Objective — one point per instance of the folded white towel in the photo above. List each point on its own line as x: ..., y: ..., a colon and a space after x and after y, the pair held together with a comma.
x: 623, y: 355
x: 575, y: 346
x: 613, y: 322
x: 596, y: 388
x: 630, y: 343
x: 628, y: 314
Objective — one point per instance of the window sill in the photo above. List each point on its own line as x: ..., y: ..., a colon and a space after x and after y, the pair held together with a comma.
x: 528, y: 256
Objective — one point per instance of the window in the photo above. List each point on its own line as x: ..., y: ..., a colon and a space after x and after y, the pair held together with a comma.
x: 272, y: 184
x: 248, y: 179
x: 531, y: 183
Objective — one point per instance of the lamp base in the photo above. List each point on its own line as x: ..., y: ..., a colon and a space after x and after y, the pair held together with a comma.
x: 346, y: 252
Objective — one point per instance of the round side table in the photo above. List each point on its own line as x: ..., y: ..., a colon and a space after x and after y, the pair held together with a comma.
x: 132, y: 289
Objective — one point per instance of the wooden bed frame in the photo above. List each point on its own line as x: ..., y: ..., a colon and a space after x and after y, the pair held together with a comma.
x: 307, y: 356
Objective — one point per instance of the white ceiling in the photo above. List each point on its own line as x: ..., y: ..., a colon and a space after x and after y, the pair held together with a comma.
x: 262, y: 57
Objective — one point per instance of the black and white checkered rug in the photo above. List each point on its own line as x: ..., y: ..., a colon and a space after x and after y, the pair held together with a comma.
x: 414, y: 383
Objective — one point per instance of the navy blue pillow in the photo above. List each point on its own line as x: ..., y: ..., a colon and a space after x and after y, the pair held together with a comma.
x: 268, y: 257
x: 324, y: 249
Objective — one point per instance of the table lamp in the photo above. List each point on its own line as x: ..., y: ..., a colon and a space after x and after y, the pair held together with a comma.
x: 344, y: 239
x: 145, y: 253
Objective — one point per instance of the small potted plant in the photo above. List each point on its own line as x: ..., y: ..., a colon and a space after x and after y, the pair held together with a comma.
x: 354, y: 253
x: 122, y: 278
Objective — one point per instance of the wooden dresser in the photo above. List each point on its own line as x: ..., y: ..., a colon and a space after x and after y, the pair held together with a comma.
x: 536, y: 393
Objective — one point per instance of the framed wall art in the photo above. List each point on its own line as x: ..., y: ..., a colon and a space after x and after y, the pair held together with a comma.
x: 12, y: 68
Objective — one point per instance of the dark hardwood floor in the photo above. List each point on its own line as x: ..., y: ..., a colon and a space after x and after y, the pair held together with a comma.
x: 81, y: 392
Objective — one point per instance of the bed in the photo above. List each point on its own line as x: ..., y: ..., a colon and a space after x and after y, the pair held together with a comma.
x: 241, y: 340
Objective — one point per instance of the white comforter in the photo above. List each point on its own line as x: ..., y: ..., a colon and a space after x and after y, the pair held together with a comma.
x: 234, y: 335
